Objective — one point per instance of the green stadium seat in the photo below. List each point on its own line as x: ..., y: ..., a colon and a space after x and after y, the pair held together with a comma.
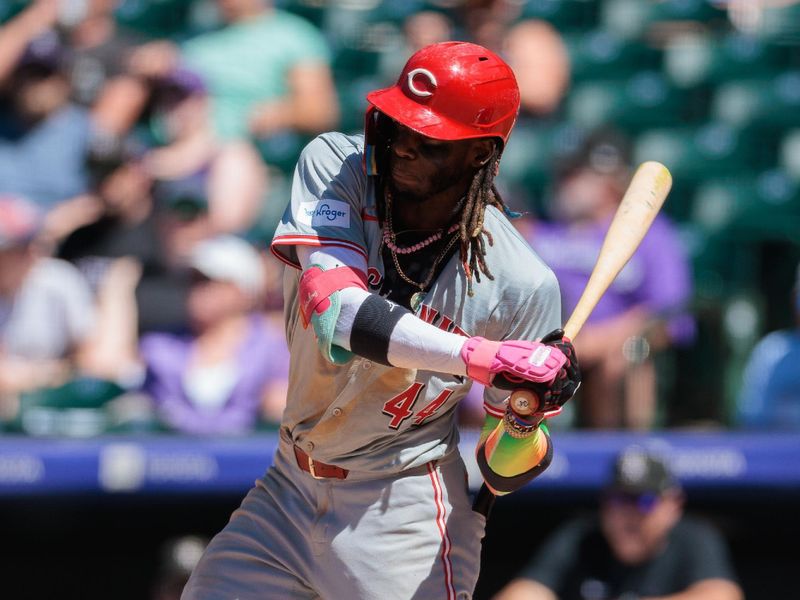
x: 353, y: 101
x: 311, y: 10
x: 599, y: 53
x: 643, y: 101
x: 697, y: 153
x: 749, y: 207
x: 75, y: 408
x: 633, y: 18
x: 349, y: 63
x: 82, y: 392
x: 564, y: 15
x: 10, y: 8
x: 780, y: 24
x: 703, y: 59
x: 743, y: 319
x: 282, y: 149
x: 529, y: 157
x: 755, y: 102
x: 360, y: 48
x: 790, y: 154
x: 163, y: 19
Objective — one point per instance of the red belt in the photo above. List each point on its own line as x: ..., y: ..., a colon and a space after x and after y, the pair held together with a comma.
x: 317, y: 469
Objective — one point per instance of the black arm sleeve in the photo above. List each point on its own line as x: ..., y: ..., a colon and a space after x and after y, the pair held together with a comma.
x: 372, y: 328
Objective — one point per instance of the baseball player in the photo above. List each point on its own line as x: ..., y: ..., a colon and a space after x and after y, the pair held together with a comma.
x: 404, y: 282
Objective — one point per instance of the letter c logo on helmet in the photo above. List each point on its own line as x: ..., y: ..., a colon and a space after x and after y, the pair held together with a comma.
x: 413, y: 87
x: 474, y: 94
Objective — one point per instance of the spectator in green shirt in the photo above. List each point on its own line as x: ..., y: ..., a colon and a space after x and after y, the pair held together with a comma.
x: 267, y: 71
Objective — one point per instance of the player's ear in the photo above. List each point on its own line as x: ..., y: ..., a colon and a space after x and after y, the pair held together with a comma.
x: 482, y: 151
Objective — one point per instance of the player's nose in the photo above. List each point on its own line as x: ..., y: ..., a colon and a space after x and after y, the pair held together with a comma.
x: 404, y: 145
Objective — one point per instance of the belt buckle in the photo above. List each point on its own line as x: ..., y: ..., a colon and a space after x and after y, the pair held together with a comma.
x: 311, y: 469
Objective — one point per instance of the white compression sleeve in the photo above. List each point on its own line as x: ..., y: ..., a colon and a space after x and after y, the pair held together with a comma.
x: 414, y: 344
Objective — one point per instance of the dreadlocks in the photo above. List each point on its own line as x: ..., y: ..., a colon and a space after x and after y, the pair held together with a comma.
x: 473, y: 236
x: 482, y: 192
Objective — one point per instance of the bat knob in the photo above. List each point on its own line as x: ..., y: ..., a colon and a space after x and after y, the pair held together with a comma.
x: 524, y: 402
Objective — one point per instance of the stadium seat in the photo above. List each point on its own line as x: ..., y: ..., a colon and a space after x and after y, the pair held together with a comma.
x: 9, y: 9
x: 756, y: 102
x: 790, y: 154
x: 353, y: 101
x: 697, y: 153
x: 564, y: 15
x: 701, y: 58
x: 743, y: 320
x: 167, y: 18
x: 74, y: 409
x: 643, y: 101
x: 350, y: 63
x: 780, y: 24
x: 311, y: 10
x: 360, y: 51
x: 756, y: 207
x: 600, y: 53
x: 528, y: 159
x: 632, y: 18
x: 282, y: 149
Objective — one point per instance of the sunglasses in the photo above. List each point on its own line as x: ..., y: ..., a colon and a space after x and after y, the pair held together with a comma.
x: 644, y: 502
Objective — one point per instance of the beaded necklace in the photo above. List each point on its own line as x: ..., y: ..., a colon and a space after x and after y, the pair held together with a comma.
x: 389, y: 237
x: 389, y: 240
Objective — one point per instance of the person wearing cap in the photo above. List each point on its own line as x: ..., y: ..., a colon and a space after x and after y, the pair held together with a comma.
x: 45, y: 136
x: 404, y: 281
x: 639, y: 547
x: 770, y: 394
x: 645, y: 309
x: 217, y: 378
x: 62, y: 65
x: 227, y: 176
x: 46, y: 307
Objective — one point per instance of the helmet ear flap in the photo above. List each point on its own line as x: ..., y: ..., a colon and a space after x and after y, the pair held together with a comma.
x: 378, y: 132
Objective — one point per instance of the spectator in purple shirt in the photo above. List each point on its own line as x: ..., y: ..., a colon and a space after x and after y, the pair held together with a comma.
x: 219, y: 378
x: 644, y: 309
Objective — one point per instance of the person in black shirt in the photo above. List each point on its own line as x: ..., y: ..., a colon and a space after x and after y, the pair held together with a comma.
x: 641, y: 546
x: 132, y: 219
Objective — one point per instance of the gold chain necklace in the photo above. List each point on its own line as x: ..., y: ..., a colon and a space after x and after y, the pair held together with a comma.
x: 417, y: 297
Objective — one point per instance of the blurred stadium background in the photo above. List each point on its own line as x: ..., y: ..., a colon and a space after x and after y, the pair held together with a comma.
x: 710, y: 88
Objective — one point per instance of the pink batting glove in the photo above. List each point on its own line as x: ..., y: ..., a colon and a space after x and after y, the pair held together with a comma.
x: 517, y: 360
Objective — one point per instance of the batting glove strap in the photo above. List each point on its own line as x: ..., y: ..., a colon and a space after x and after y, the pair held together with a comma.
x: 516, y: 360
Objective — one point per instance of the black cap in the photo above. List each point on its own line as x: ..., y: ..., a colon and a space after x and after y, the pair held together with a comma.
x: 44, y: 56
x: 640, y: 471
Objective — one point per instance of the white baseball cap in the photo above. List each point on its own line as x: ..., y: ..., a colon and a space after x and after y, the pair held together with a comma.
x: 229, y: 258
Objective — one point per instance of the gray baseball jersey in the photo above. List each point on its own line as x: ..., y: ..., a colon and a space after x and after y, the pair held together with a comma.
x: 400, y: 525
x: 369, y: 417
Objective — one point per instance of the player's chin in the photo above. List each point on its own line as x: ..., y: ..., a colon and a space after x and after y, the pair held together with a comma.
x: 407, y: 189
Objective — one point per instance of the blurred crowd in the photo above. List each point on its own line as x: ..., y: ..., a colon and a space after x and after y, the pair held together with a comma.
x: 146, y: 150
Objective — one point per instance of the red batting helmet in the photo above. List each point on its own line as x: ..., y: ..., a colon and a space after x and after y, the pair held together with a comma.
x: 452, y: 91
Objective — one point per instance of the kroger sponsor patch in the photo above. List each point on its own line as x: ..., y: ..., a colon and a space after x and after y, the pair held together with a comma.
x: 324, y: 213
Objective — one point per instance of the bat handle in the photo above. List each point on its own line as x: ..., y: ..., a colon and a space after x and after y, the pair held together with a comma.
x: 524, y: 402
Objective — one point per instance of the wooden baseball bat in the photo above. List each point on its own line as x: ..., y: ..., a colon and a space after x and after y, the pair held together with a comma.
x: 642, y: 200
